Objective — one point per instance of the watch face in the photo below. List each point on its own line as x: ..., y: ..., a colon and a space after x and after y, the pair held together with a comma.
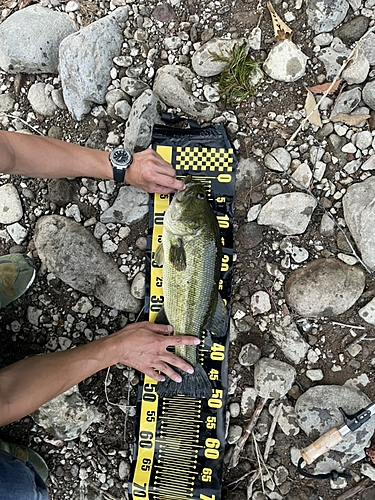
x: 121, y: 156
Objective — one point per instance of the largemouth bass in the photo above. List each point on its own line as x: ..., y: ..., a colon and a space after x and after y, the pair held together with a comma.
x: 191, y: 256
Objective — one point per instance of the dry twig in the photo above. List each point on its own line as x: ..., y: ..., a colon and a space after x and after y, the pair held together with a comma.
x: 246, y: 433
x: 354, y: 491
x: 251, y: 483
x: 357, y: 327
x: 271, y: 432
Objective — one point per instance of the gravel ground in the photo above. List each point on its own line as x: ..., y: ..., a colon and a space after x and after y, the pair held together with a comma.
x: 96, y: 465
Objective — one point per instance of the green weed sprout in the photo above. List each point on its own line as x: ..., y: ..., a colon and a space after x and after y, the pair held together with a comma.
x: 241, y: 76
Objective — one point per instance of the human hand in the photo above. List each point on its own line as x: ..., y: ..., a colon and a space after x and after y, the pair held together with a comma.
x: 144, y: 346
x: 152, y: 174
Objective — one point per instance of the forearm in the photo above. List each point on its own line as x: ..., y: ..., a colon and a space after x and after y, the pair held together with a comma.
x: 43, y: 157
x: 27, y: 384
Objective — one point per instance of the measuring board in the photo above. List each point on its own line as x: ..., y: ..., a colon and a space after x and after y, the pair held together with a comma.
x: 180, y: 441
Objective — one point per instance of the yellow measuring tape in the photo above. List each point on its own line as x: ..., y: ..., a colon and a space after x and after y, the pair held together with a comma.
x: 180, y: 440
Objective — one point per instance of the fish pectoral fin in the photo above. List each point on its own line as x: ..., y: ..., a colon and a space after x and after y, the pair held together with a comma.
x: 177, y: 255
x: 161, y: 318
x: 218, y: 322
x: 159, y: 255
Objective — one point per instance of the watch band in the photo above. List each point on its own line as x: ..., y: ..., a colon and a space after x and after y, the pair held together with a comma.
x: 119, y: 174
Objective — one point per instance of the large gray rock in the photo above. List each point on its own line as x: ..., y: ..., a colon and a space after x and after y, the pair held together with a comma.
x: 359, y: 213
x: 67, y: 416
x: 325, y: 287
x: 86, y: 59
x: 332, y: 57
x: 285, y: 62
x: 30, y: 39
x: 273, y: 378
x: 249, y: 174
x: 346, y: 102
x: 357, y: 70
x: 72, y: 253
x: 326, y: 15
x: 130, y: 206
x: 318, y: 412
x: 173, y: 84
x: 202, y: 60
x: 286, y: 335
x: 144, y: 114
x: 368, y: 94
x: 289, y: 213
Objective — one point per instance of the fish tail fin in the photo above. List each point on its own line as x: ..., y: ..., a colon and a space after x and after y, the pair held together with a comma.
x: 195, y: 385
x: 218, y: 322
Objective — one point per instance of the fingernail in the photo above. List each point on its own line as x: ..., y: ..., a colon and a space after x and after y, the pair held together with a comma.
x: 169, y: 328
x: 190, y: 370
x: 162, y: 380
x: 178, y: 379
x: 197, y: 341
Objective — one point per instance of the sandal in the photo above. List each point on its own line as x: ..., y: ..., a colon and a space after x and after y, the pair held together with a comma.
x: 17, y: 272
x: 27, y: 455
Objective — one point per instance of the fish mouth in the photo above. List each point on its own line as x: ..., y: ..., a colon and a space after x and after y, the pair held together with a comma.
x: 186, y: 193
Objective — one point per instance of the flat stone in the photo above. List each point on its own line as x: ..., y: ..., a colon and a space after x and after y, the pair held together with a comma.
x: 86, y: 60
x: 10, y: 204
x: 67, y: 416
x: 250, y: 235
x: 249, y: 174
x: 130, y: 206
x: 367, y: 312
x: 173, y: 84
x: 249, y: 355
x: 17, y: 232
x: 278, y: 160
x: 287, y: 337
x: 325, y: 287
x: 144, y: 114
x: 326, y: 15
x: 285, y: 62
x: 30, y: 39
x: 203, y: 62
x: 289, y: 213
x: 71, y: 253
x: 332, y: 57
x: 260, y: 302
x: 40, y: 100
x: 273, y: 378
x: 368, y: 94
x: 359, y: 213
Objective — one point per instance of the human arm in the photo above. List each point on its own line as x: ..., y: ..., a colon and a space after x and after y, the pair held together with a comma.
x: 44, y: 157
x: 29, y: 383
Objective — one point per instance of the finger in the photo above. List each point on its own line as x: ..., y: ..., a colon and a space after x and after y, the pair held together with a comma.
x: 163, y: 329
x: 168, y: 181
x: 176, y: 361
x: 169, y: 372
x: 158, y: 377
x: 183, y: 340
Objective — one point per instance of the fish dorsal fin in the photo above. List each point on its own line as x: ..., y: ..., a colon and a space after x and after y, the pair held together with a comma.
x: 159, y: 255
x: 218, y: 322
x: 177, y: 255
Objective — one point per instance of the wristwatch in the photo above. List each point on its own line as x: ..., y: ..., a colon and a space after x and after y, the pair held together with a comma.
x: 121, y: 159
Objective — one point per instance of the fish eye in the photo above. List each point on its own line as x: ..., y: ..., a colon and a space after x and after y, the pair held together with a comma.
x: 200, y: 196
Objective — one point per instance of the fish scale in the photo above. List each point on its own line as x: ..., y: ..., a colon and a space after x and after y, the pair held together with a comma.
x: 193, y: 291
